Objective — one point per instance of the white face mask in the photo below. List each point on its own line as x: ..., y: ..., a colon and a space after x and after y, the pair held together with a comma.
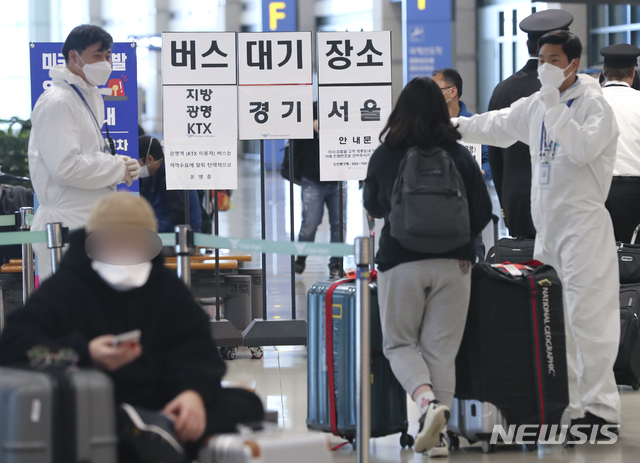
x: 551, y: 75
x: 123, y: 277
x: 144, y: 170
x: 96, y: 73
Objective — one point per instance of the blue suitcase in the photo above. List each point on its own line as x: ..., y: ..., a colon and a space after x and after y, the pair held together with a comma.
x: 332, y: 397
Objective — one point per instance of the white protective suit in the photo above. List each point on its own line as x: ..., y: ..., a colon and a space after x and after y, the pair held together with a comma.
x: 625, y: 103
x: 575, y: 234
x: 70, y: 170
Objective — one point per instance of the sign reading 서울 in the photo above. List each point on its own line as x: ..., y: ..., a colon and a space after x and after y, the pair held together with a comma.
x: 275, y: 95
x: 199, y: 91
x: 355, y: 100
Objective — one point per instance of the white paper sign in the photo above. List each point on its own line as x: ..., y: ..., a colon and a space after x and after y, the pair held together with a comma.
x: 475, y: 150
x: 198, y: 164
x: 274, y: 58
x: 354, y: 57
x: 350, y: 122
x: 199, y: 58
x: 275, y: 112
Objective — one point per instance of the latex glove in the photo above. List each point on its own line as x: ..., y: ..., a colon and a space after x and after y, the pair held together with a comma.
x: 454, y: 121
x: 127, y: 178
x: 133, y: 167
x: 550, y: 95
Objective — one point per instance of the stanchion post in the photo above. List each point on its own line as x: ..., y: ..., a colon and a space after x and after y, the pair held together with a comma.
x: 28, y: 272
x: 183, y: 251
x: 263, y: 220
x: 55, y: 243
x: 363, y: 349
x: 293, y: 231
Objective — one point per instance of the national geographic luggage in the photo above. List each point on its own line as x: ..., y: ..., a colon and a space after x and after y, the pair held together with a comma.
x: 332, y: 372
x: 57, y: 416
x: 629, y: 260
x: 512, y: 363
x: 627, y: 366
x: 270, y: 446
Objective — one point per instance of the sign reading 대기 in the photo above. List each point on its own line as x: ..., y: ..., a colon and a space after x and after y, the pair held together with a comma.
x: 121, y: 107
x: 354, y: 100
x: 426, y: 30
x: 199, y: 89
x: 275, y: 94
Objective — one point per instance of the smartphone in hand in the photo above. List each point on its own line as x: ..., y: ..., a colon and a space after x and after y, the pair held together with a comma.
x: 130, y: 337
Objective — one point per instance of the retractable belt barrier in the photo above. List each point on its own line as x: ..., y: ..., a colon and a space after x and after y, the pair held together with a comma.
x: 209, y: 241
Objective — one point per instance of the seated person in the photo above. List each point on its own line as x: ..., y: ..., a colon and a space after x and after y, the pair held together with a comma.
x: 175, y: 368
x: 168, y: 205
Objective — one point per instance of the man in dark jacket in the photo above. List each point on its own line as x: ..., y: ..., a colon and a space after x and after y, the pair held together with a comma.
x: 315, y: 194
x: 511, y: 167
x: 174, y: 367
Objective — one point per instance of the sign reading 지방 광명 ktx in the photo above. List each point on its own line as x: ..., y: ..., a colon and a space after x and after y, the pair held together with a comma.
x: 355, y: 101
x: 200, y: 112
x: 275, y: 95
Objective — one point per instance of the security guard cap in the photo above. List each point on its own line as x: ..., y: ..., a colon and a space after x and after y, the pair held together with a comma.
x: 620, y: 56
x: 538, y: 24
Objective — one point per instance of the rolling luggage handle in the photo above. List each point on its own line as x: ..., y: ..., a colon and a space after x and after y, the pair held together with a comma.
x: 496, y: 238
x: 635, y: 235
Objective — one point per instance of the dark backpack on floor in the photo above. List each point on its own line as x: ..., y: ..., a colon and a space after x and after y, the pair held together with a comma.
x: 429, y: 206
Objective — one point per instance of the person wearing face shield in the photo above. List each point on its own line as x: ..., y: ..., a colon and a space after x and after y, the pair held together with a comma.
x: 71, y: 164
x: 112, y: 281
x: 168, y: 205
x: 572, y: 136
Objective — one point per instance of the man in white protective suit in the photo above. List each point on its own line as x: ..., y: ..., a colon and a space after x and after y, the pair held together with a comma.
x: 572, y: 134
x: 70, y: 163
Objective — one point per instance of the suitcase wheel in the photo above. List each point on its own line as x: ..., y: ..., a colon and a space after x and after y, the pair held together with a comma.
x: 406, y: 440
x: 454, y: 441
x: 228, y: 352
x: 256, y: 352
x: 635, y: 386
x: 488, y: 448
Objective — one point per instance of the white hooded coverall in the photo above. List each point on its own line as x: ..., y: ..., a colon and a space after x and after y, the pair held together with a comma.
x: 70, y: 170
x: 575, y: 234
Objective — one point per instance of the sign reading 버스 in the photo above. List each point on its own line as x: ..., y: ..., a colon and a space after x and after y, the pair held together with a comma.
x: 354, y: 100
x: 199, y: 89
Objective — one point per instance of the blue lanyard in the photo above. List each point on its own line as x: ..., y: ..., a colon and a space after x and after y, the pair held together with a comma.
x: 551, y: 146
x: 95, y: 120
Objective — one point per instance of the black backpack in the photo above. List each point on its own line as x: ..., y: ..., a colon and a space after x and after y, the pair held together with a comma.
x: 429, y: 206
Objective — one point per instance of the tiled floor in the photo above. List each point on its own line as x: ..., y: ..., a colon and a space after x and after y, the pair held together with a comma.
x: 281, y: 376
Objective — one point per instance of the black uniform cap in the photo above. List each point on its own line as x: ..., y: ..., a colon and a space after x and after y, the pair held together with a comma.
x: 538, y: 24
x: 620, y: 56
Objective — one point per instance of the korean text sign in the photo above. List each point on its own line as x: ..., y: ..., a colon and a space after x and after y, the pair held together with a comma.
x: 354, y: 100
x: 275, y: 95
x: 200, y: 118
x: 121, y: 106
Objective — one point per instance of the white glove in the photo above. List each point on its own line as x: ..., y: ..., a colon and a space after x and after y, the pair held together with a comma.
x: 454, y: 121
x: 550, y: 95
x: 133, y: 167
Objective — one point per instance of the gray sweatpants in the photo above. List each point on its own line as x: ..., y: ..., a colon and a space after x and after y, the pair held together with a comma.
x: 423, y: 310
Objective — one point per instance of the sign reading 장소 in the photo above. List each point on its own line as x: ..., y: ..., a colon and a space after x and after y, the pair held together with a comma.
x: 200, y: 110
x: 275, y: 95
x: 355, y: 100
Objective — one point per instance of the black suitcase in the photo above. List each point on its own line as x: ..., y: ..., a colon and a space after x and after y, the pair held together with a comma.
x: 627, y: 366
x: 516, y: 251
x: 513, y: 351
x: 331, y: 367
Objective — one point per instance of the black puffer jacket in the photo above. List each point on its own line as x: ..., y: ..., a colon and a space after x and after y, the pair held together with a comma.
x: 75, y: 306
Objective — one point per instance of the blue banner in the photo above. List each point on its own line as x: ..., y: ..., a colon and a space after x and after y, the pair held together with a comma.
x: 426, y: 28
x: 279, y: 16
x: 121, y: 107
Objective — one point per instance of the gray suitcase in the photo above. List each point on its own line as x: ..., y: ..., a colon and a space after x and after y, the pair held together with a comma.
x: 57, y: 417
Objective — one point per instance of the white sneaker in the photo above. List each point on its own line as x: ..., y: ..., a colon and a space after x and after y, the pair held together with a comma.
x: 442, y: 447
x: 432, y: 423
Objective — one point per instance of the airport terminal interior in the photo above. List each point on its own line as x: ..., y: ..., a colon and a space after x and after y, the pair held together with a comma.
x: 485, y: 46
